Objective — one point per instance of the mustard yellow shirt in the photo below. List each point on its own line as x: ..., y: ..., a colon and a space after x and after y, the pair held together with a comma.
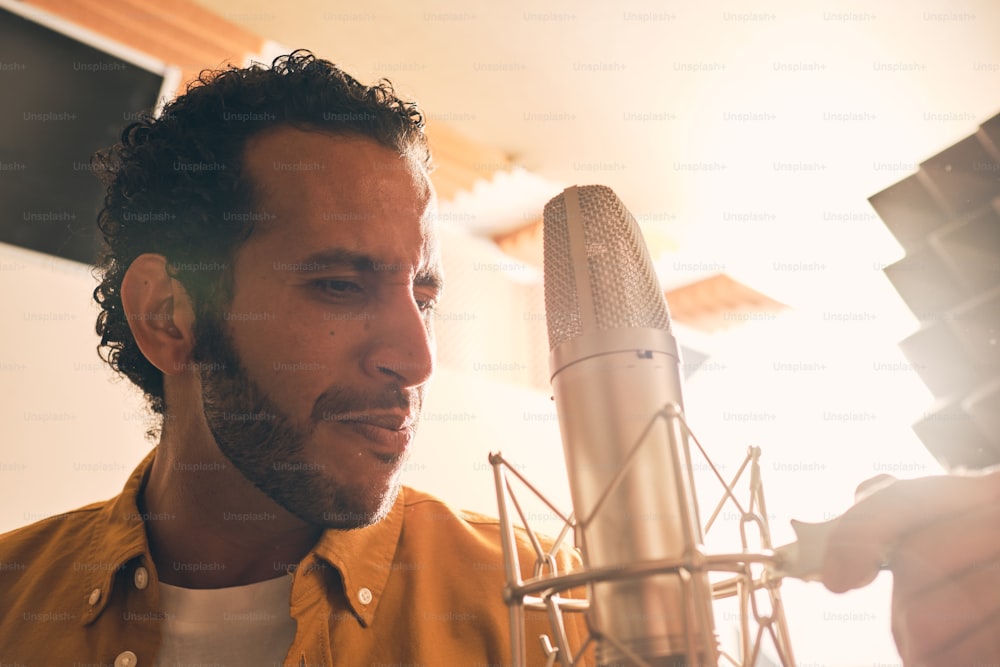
x: 422, y: 587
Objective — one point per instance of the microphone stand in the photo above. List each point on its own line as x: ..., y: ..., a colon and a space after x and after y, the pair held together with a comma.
x: 751, y: 568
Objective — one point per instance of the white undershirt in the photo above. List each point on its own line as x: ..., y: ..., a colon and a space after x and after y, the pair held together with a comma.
x: 242, y: 626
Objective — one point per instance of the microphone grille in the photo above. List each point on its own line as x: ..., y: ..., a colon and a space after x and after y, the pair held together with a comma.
x: 562, y: 309
x: 622, y: 283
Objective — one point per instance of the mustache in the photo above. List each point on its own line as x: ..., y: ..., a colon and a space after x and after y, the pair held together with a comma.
x: 338, y: 402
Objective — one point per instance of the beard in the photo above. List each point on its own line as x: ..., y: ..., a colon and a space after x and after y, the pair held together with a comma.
x: 268, y: 447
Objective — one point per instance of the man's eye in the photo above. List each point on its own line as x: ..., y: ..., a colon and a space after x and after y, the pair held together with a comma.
x: 337, y: 286
x: 427, y: 305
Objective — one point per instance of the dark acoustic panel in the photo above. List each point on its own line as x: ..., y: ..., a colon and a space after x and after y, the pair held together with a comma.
x: 976, y: 325
x: 962, y: 177
x: 970, y: 247
x: 947, y: 218
x: 984, y: 407
x: 955, y: 440
x: 940, y: 360
x: 909, y: 211
x: 926, y: 283
x: 989, y: 136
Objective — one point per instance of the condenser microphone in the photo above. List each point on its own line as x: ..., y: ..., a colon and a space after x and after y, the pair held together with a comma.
x: 615, y: 375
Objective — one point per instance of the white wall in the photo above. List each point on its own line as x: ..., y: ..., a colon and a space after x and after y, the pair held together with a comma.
x: 69, y: 432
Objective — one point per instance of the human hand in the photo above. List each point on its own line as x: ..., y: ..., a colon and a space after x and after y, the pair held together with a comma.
x: 941, y: 538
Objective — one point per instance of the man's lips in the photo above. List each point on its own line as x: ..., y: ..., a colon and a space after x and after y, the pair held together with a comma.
x: 392, y: 421
x: 390, y: 432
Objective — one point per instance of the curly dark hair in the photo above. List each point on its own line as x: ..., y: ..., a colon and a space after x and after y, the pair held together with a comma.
x: 175, y: 183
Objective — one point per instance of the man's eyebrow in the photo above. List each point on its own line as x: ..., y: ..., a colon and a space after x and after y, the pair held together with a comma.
x: 334, y: 258
x: 340, y: 257
x: 429, y: 278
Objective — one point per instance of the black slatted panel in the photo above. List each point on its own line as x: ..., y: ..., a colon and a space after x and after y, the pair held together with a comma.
x: 947, y: 218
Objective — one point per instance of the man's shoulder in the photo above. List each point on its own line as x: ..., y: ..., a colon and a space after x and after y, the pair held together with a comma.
x: 430, y: 511
x: 66, y: 530
x: 425, y: 505
x: 82, y: 538
x: 428, y: 515
x: 43, y: 564
x: 466, y: 546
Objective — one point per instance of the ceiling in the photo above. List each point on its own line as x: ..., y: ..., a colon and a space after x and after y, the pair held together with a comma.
x: 745, y: 137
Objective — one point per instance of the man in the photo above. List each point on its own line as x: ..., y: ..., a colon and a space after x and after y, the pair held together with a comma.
x: 269, y: 283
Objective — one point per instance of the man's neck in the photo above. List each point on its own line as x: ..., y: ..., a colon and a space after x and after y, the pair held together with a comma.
x: 210, y: 527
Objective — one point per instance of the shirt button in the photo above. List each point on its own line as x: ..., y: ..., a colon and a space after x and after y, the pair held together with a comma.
x: 141, y: 578
x: 126, y: 659
x: 95, y: 597
x: 365, y: 596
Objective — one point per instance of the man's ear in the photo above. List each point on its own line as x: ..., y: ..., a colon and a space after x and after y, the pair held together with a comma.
x: 159, y: 313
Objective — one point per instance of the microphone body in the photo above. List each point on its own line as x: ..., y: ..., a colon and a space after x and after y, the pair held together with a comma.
x: 615, y: 367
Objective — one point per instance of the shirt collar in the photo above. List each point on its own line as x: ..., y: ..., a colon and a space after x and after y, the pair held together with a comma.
x: 364, y: 558
x: 119, y: 537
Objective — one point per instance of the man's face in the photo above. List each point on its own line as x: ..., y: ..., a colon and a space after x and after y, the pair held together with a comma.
x: 314, y: 378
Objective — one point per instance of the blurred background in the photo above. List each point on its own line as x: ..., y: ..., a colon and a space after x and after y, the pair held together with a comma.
x: 746, y: 138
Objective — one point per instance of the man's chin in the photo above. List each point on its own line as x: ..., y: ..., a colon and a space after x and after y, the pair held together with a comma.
x: 322, y: 501
x: 367, y: 501
x: 362, y: 509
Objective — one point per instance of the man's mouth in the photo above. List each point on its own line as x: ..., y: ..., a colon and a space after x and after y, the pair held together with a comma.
x: 387, y: 420
x: 389, y: 432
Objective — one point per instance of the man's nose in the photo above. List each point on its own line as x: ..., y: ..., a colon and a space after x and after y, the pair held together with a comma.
x: 403, y: 345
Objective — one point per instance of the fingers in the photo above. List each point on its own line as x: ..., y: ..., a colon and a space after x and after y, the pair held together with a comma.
x: 868, y: 532
x: 871, y: 485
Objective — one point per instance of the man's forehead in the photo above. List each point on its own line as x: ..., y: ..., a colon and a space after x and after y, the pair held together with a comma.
x: 350, y: 168
x: 431, y: 249
x: 341, y: 177
x: 309, y: 185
